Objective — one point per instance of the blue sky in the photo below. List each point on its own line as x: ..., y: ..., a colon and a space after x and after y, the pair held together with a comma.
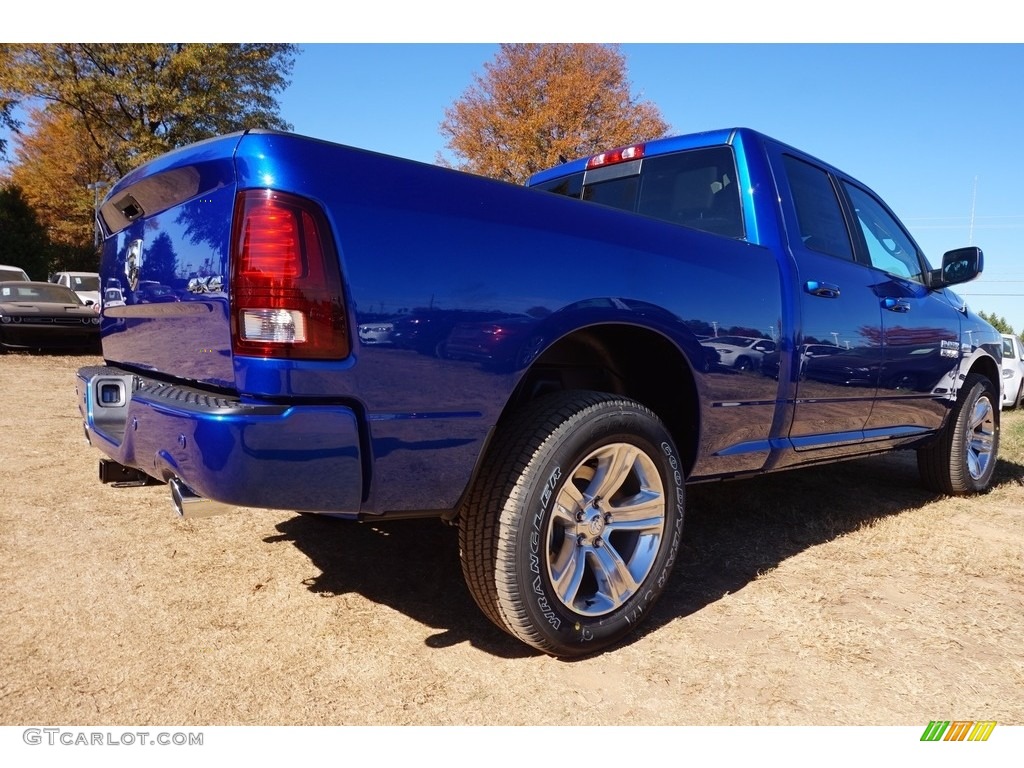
x: 935, y: 129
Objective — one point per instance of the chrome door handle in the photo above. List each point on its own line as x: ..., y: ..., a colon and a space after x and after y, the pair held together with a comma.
x: 896, y: 305
x: 822, y: 290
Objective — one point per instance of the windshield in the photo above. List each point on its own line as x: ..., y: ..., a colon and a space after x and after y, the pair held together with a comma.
x: 38, y: 292
x: 85, y: 282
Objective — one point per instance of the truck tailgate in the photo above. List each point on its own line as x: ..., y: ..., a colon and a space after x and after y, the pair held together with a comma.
x: 165, y: 262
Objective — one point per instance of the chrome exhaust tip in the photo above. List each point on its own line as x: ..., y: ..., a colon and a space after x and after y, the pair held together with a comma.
x: 189, y: 505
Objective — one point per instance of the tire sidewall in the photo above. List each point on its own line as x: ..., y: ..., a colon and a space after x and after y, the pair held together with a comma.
x: 962, y: 436
x: 562, y: 628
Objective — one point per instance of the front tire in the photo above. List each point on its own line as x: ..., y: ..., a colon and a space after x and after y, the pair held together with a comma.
x: 963, y: 459
x: 570, y: 532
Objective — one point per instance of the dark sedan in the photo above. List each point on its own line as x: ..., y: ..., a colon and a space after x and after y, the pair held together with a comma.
x: 45, y: 316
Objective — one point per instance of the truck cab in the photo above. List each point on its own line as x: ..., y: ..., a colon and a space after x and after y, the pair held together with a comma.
x: 855, y: 279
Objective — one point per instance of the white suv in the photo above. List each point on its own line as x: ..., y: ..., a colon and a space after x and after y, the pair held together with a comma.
x: 1013, y: 371
x: 85, y: 284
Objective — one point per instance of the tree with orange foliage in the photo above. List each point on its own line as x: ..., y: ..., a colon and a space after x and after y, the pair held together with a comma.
x: 54, y: 168
x: 101, y: 109
x: 540, y: 104
x: 136, y: 101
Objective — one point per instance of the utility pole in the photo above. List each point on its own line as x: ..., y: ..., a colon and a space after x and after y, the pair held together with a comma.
x: 95, y: 187
x: 974, y: 200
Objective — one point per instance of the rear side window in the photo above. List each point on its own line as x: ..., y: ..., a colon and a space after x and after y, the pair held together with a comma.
x: 821, y: 220
x: 696, y: 188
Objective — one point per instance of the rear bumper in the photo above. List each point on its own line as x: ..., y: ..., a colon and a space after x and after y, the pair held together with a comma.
x: 298, y: 457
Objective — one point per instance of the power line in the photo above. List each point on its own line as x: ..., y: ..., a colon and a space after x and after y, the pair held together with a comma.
x: 963, y: 218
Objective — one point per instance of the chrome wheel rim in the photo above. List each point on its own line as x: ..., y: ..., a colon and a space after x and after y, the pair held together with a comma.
x: 606, y: 529
x: 980, y: 438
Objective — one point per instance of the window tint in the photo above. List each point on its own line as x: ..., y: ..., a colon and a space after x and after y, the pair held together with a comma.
x: 42, y: 292
x: 618, y: 193
x: 86, y: 283
x: 889, y: 247
x: 696, y: 188
x: 570, y: 186
x: 818, y: 213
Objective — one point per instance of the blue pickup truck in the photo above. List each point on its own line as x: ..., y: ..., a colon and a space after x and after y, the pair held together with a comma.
x: 546, y: 366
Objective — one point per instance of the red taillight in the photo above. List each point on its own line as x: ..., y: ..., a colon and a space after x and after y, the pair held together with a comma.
x: 270, y: 241
x: 619, y: 155
x: 286, y: 293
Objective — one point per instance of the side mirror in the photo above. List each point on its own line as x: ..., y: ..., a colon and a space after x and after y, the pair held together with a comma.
x: 958, y: 266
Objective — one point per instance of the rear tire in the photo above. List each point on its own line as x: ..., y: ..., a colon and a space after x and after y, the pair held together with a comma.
x: 963, y: 459
x: 571, y: 530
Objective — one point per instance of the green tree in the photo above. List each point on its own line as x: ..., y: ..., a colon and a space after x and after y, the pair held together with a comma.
x: 134, y: 102
x: 23, y: 240
x: 539, y: 104
x: 996, y: 321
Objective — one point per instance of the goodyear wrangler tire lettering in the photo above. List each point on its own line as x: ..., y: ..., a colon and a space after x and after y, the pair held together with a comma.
x: 568, y: 537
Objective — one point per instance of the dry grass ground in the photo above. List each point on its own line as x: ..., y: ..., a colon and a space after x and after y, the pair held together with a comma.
x: 842, y: 595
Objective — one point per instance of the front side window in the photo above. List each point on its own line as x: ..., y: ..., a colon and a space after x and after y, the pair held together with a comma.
x: 889, y: 247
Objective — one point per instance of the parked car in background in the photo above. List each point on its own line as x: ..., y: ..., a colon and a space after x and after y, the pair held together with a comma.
x: 427, y: 330
x: 376, y: 333
x: 113, y: 297
x: 12, y: 273
x: 45, y: 316
x: 489, y: 341
x: 1013, y: 371
x: 85, y: 284
x: 150, y: 292
x: 740, y: 352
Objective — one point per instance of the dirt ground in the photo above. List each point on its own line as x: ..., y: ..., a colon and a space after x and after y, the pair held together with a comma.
x: 841, y: 595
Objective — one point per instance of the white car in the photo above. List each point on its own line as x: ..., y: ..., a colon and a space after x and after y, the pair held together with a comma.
x: 743, y: 353
x: 12, y: 273
x: 85, y: 284
x: 376, y: 333
x: 1013, y: 371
